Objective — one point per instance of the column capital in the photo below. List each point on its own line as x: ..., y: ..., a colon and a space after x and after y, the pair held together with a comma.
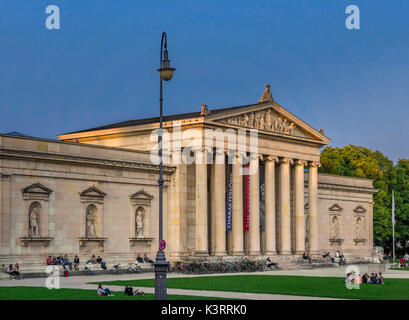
x: 314, y: 164
x: 255, y: 156
x: 283, y: 160
x: 300, y: 162
x: 220, y: 151
x: 271, y: 158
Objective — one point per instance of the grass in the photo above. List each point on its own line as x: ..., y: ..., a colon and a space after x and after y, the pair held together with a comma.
x: 400, y: 269
x: 41, y: 293
x: 393, y: 289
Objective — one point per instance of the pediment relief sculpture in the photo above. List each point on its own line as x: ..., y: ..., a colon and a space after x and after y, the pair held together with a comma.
x: 264, y: 120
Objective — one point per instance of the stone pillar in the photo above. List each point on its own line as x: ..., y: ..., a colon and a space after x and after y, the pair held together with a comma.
x: 313, y: 206
x: 254, y: 210
x: 201, y: 204
x: 212, y: 211
x: 285, y: 208
x: 299, y: 207
x: 220, y: 203
x: 237, y: 227
x: 270, y: 203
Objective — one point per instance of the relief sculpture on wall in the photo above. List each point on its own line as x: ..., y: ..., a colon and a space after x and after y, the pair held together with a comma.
x: 264, y: 120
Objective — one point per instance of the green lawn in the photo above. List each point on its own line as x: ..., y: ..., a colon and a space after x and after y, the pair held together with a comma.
x: 291, y: 285
x: 400, y: 269
x: 39, y: 293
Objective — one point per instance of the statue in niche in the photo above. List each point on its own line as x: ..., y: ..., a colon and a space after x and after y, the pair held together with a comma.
x: 33, y: 220
x: 358, y: 228
x: 90, y: 222
x: 139, y: 223
x: 334, y: 227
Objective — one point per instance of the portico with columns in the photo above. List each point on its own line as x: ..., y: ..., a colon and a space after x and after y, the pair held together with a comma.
x: 235, y: 195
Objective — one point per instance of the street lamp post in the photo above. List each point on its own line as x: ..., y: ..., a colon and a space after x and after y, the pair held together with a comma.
x: 161, y: 265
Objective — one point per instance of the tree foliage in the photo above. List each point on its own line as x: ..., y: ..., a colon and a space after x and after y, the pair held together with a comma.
x: 357, y: 161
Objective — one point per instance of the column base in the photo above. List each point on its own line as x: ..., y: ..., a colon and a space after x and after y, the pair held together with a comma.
x: 285, y: 253
x: 238, y: 253
x: 254, y: 253
x: 220, y: 254
x: 270, y: 253
x: 201, y: 253
x: 300, y: 252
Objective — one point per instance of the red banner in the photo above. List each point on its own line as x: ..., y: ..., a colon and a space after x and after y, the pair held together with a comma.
x: 246, y: 198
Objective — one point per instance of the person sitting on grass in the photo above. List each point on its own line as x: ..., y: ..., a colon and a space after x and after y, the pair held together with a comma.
x: 365, y: 278
x: 103, y: 292
x: 380, y: 278
x: 139, y: 292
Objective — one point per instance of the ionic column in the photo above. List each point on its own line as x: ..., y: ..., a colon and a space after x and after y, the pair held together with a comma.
x: 270, y: 211
x: 254, y: 206
x: 313, y: 206
x: 299, y: 207
x: 201, y: 204
x: 220, y: 203
x: 237, y: 202
x: 285, y: 208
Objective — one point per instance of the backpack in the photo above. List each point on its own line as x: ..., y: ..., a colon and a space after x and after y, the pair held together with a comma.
x: 66, y: 273
x: 128, y: 291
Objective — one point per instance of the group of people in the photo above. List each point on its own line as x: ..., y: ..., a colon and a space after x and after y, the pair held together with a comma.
x: 14, y: 271
x: 338, y: 255
x: 63, y: 261
x: 128, y: 291
x: 374, y: 278
x: 95, y: 260
x: 144, y: 259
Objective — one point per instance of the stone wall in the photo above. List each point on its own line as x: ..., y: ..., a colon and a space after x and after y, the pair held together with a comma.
x: 65, y: 180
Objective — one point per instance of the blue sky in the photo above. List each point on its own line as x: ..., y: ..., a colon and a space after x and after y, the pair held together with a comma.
x: 100, y: 67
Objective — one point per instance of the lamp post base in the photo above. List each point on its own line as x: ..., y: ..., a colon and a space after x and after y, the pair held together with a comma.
x: 161, y: 268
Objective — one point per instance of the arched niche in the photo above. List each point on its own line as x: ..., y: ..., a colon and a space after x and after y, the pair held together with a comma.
x: 35, y: 215
x: 140, y: 205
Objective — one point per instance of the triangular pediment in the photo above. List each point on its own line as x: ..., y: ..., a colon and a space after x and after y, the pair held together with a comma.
x: 37, y: 188
x: 270, y: 118
x: 141, y: 194
x: 360, y: 209
x: 93, y: 192
x: 336, y: 207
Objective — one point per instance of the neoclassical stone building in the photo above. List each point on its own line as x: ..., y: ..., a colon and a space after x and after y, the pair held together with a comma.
x: 95, y: 191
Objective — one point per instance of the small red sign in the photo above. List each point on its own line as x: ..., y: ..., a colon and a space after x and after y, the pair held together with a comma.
x: 162, y: 244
